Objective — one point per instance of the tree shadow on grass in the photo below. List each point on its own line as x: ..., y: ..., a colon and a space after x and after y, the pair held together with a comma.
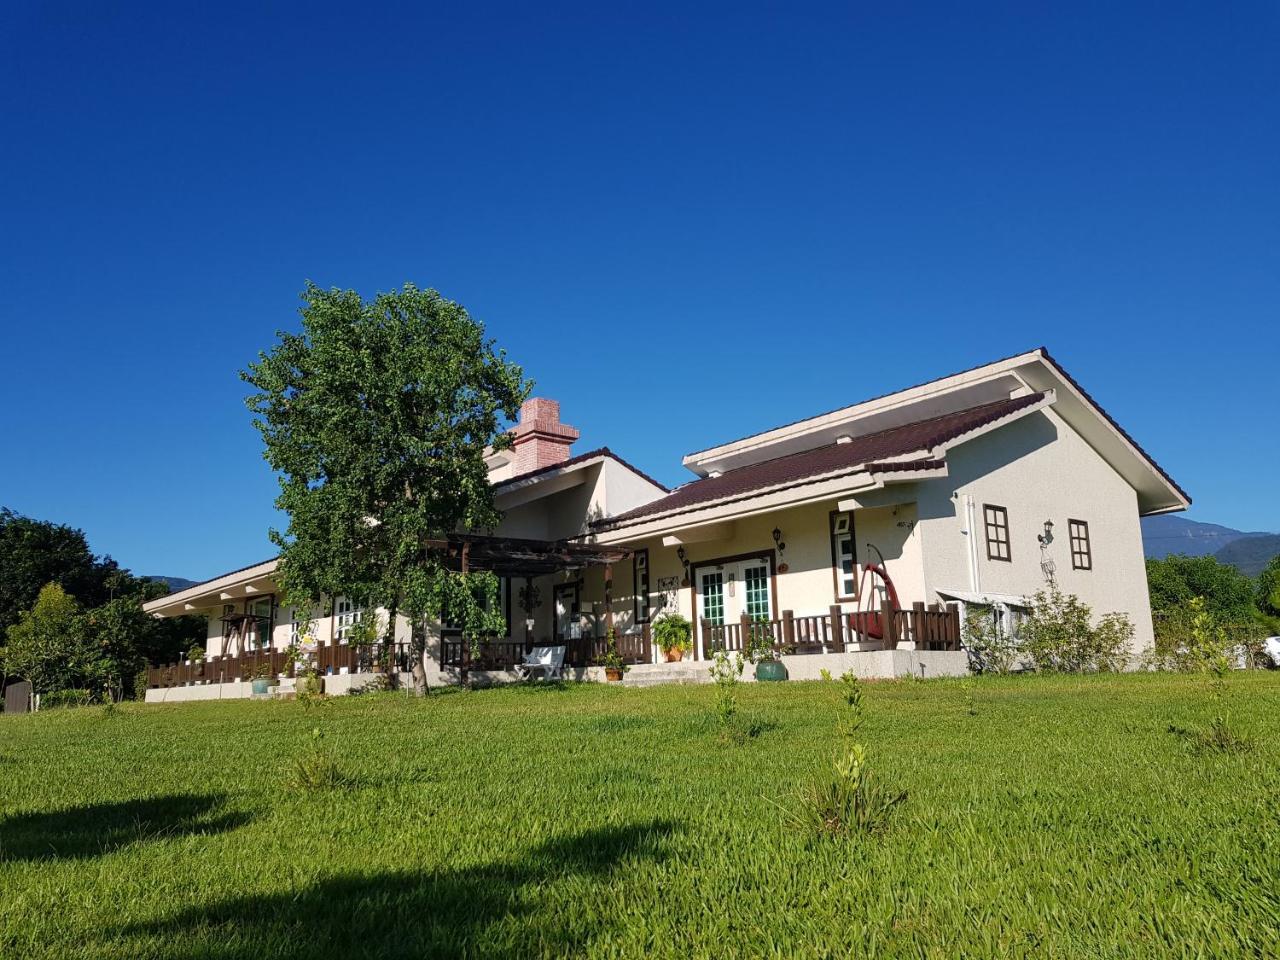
x: 95, y: 829
x: 511, y: 908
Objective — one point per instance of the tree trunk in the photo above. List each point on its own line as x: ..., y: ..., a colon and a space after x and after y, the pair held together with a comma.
x: 419, y: 648
x: 389, y: 644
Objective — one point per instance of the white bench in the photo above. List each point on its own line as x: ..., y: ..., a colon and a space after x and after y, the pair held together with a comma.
x: 549, y: 661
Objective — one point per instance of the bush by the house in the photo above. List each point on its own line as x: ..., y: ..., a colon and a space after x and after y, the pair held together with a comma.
x: 1058, y: 634
x: 990, y: 649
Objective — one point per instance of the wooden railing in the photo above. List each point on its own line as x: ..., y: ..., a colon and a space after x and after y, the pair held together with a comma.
x: 931, y: 628
x: 505, y: 654
x: 330, y: 659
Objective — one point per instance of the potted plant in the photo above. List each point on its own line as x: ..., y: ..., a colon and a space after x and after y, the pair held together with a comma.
x: 261, y: 679
x: 195, y: 657
x: 614, y: 665
x: 762, y: 654
x: 673, y: 634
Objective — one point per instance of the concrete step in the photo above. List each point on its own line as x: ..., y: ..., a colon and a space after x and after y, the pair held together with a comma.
x: 663, y: 681
x: 652, y: 674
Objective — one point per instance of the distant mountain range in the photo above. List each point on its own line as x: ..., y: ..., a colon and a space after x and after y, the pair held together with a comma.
x: 1250, y: 552
x: 175, y: 583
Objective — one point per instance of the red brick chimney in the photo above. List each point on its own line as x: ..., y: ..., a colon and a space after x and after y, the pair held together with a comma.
x: 540, y: 439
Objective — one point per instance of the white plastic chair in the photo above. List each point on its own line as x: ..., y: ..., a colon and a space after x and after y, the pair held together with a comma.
x: 549, y: 661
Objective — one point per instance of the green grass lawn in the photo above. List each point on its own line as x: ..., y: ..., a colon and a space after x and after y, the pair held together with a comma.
x: 1062, y: 820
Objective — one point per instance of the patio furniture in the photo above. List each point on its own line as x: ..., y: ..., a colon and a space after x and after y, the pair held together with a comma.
x: 549, y: 661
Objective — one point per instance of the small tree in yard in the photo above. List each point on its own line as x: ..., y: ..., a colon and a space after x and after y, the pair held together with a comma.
x: 377, y: 416
x: 51, y: 645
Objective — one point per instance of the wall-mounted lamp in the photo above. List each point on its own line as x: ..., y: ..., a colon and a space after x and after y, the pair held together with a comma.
x: 1046, y: 538
x: 684, y: 562
x: 782, y: 548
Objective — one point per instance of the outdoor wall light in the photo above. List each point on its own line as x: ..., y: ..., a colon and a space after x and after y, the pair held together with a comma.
x: 1046, y: 538
x: 684, y: 562
x: 782, y: 548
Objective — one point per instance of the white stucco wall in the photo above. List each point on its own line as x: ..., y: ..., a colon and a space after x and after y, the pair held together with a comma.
x: 1039, y: 469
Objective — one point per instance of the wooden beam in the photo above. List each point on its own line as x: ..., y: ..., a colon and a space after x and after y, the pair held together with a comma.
x: 608, y: 598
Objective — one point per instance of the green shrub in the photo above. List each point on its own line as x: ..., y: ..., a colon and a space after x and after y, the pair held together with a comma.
x: 725, y: 672
x: 1058, y: 635
x: 847, y: 801
x: 990, y: 650
x: 317, y: 768
x: 66, y: 698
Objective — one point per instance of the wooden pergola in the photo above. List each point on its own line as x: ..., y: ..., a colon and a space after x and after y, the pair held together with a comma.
x: 516, y: 557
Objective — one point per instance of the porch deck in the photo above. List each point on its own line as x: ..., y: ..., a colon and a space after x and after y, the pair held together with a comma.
x: 794, y: 639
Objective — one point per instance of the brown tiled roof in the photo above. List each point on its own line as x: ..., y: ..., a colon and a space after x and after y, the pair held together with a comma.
x: 574, y: 461
x: 804, y: 467
x: 881, y: 396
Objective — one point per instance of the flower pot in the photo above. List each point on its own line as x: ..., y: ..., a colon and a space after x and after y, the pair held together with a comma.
x: 613, y: 674
x: 261, y: 686
x: 309, y: 686
x: 674, y: 656
x: 771, y: 670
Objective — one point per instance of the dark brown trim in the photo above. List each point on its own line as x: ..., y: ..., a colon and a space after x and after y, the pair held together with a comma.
x: 556, y: 590
x: 640, y: 603
x: 249, y: 601
x: 995, y: 520
x: 603, y: 452
x: 1078, y: 533
x: 835, y: 560
x: 770, y: 554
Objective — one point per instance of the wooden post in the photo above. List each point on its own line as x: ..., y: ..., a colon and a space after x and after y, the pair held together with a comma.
x: 744, y: 631
x: 608, y: 599
x: 788, y: 628
x: 706, y: 637
x: 919, y: 625
x: 837, y: 627
x: 528, y: 614
x: 890, y: 625
x: 646, y: 639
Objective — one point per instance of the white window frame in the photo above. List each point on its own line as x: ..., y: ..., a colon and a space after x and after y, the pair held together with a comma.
x: 640, y: 574
x: 844, y: 547
x: 345, y: 616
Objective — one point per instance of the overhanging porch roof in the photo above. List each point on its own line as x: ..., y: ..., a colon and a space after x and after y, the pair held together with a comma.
x: 511, y: 557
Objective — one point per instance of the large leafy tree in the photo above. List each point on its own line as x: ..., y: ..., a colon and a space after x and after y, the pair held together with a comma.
x: 1175, y: 580
x: 376, y: 416
x: 1268, y: 592
x: 36, y: 552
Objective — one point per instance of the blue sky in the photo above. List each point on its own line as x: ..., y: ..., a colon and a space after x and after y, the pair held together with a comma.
x: 687, y: 225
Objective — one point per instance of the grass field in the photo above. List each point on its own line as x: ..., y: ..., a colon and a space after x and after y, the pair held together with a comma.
x: 1062, y: 820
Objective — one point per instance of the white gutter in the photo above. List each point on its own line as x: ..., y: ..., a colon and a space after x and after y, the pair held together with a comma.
x: 971, y: 524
